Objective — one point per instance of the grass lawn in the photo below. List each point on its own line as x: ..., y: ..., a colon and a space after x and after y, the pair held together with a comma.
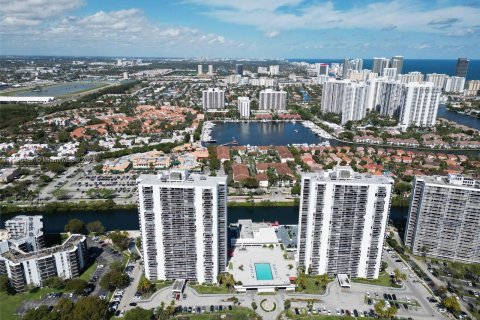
x: 239, y: 313
x: 10, y: 304
x: 383, y: 280
x: 87, y: 274
x: 210, y: 289
x: 311, y: 288
x: 162, y: 284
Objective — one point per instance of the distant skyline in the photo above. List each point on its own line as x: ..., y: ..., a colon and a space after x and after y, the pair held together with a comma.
x: 441, y: 29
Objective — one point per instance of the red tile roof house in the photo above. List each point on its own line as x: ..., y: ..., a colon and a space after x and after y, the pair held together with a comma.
x: 406, y: 159
x: 240, y: 172
x: 282, y: 169
x: 263, y: 149
x: 223, y: 153
x: 307, y: 159
x: 284, y: 153
x: 396, y: 158
x: 262, y: 180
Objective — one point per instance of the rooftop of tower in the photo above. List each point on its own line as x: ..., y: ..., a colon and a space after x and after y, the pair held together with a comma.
x: 180, y: 178
x: 347, y: 174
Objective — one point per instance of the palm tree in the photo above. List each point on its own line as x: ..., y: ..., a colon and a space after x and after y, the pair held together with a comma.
x: 144, y: 285
x: 399, y: 276
x: 170, y: 310
x: 228, y: 281
x: 321, y: 280
x: 301, y: 280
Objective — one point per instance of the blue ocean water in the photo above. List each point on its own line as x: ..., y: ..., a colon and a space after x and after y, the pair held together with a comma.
x: 425, y: 66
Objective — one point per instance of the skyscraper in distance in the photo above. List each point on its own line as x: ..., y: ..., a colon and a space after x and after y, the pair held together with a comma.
x: 462, y: 67
x: 379, y: 64
x: 397, y: 62
x: 346, y: 67
x: 239, y: 69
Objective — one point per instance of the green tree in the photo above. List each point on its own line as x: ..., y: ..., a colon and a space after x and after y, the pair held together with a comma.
x: 95, y: 227
x: 250, y: 183
x: 399, y: 276
x: 114, y: 279
x: 76, y: 285
x: 91, y: 308
x: 40, y: 313
x: 170, y: 309
x: 98, y: 168
x: 227, y: 280
x: 119, y: 239
x: 74, y: 226
x: 63, y: 136
x: 301, y: 281
x: 384, y: 266
x: 64, y: 309
x: 384, y: 312
x: 5, y: 285
x: 321, y: 280
x: 138, y: 314
x: 296, y: 189
x: 145, y: 286
x: 54, y: 283
x: 452, y: 304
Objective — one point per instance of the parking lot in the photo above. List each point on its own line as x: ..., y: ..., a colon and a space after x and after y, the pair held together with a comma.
x: 123, y: 185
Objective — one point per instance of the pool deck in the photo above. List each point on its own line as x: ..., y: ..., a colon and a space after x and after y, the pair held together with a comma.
x: 251, y: 255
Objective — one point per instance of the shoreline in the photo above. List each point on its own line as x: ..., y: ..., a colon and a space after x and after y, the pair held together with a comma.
x: 101, y: 207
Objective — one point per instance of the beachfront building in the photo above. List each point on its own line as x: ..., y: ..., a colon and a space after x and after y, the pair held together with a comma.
x: 444, y: 218
x: 183, y: 222
x: 342, y: 221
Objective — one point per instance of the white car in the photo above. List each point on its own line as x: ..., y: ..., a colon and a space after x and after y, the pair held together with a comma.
x: 119, y: 292
x: 137, y: 297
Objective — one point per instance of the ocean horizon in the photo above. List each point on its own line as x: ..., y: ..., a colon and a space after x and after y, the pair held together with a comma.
x: 425, y: 66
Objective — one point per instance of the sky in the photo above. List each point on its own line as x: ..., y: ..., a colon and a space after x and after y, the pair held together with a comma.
x: 430, y: 29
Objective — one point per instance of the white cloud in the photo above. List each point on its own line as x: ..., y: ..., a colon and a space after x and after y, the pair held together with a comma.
x: 272, y: 34
x: 293, y: 14
x: 121, y: 28
x: 19, y: 13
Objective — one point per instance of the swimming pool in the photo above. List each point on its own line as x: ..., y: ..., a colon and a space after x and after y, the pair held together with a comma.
x: 263, y: 271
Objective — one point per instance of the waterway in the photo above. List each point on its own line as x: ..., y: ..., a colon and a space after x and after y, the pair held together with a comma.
x: 264, y: 133
x: 59, y: 89
x: 128, y: 219
x: 459, y: 118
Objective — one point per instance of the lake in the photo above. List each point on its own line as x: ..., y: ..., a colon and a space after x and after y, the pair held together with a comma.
x: 263, y: 133
x: 59, y: 89
x: 128, y: 219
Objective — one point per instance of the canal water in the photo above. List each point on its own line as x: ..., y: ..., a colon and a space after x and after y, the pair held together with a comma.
x: 128, y: 219
x: 468, y: 121
x: 60, y: 89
